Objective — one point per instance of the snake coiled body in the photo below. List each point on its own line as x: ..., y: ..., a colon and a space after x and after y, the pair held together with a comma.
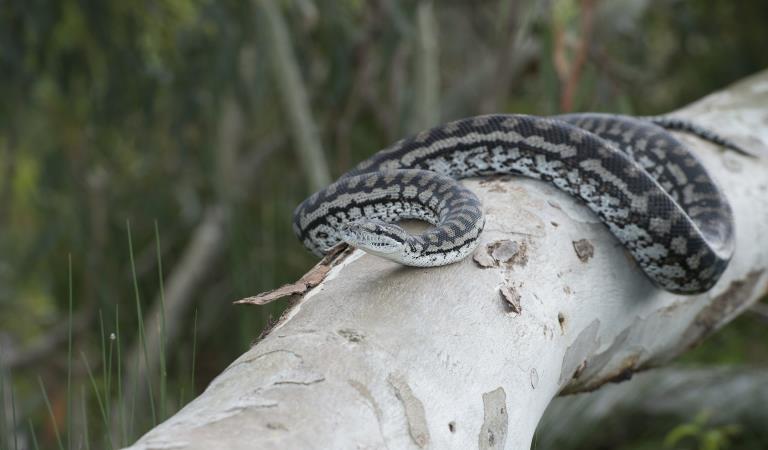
x: 648, y: 189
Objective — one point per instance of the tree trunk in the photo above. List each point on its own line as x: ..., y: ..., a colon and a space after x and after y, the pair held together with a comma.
x: 469, y: 355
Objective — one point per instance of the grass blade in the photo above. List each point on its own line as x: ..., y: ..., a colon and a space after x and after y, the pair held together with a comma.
x: 86, y: 438
x: 50, y: 413
x: 132, y: 414
x: 163, y: 370
x: 13, y: 412
x: 34, y: 435
x: 105, y: 370
x: 194, y: 348
x: 140, y: 316
x: 98, y: 396
x: 120, y: 402
x: 69, y: 358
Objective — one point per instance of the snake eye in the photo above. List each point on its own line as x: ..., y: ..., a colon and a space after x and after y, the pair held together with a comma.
x: 322, y: 235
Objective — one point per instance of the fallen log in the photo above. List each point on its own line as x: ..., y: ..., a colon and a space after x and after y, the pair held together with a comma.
x: 376, y: 355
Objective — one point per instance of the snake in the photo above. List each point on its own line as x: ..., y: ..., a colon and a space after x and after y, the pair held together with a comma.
x: 646, y: 186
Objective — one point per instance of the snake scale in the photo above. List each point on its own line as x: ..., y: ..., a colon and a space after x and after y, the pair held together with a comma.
x: 650, y: 191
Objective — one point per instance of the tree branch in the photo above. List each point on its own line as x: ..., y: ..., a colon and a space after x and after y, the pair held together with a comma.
x: 383, y: 356
x: 427, y: 68
x: 287, y: 77
x: 46, y: 345
x: 569, y: 72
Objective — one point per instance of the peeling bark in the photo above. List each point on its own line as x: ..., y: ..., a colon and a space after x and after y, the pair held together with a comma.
x: 377, y: 355
x: 584, y: 249
x: 310, y: 279
x: 414, y: 410
x: 493, y: 434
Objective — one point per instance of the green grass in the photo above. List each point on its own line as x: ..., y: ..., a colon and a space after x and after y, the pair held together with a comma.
x: 117, y: 415
x: 101, y: 403
x: 140, y: 316
x: 13, y: 418
x: 7, y: 435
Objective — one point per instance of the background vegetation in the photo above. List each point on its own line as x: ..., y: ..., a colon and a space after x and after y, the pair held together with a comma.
x: 152, y: 151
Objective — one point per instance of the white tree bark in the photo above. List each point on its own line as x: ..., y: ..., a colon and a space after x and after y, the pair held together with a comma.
x: 465, y: 356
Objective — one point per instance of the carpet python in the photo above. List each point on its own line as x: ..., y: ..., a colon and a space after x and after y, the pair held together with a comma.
x: 651, y: 192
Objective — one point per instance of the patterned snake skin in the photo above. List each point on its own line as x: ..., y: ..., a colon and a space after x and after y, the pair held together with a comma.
x: 642, y: 182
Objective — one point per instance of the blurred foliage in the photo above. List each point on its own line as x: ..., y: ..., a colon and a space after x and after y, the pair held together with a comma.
x: 113, y: 111
x: 741, y: 342
x: 704, y: 437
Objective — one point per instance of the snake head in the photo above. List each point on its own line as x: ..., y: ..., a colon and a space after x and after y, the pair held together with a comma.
x: 375, y: 236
